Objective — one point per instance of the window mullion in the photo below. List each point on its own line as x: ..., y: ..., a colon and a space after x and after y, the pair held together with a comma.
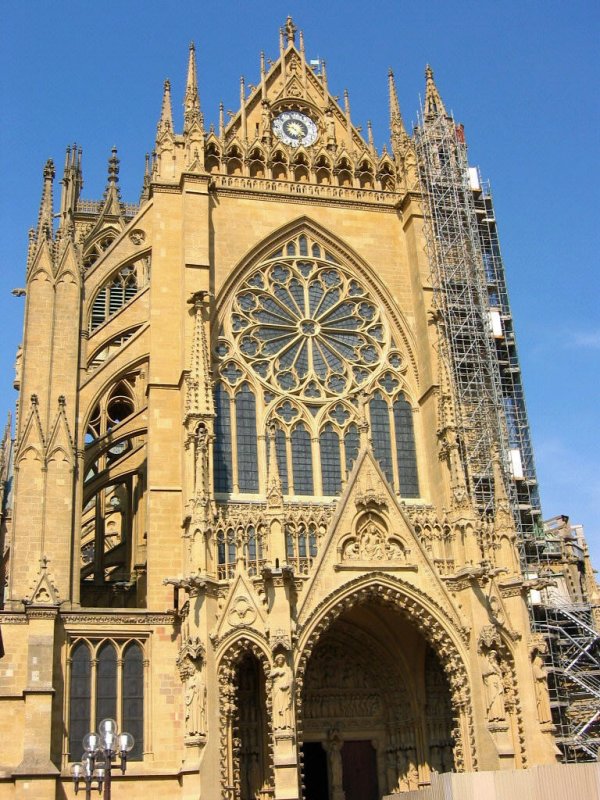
x: 394, y: 448
x: 93, y: 678
x: 316, y: 466
x: 234, y: 449
x: 119, y: 703
x: 289, y: 461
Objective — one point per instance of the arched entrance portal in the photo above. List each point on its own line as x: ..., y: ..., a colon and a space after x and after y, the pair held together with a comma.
x: 376, y: 708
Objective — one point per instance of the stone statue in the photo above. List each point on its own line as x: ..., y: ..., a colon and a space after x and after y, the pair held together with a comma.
x: 282, y: 678
x: 191, y: 705
x: 541, y: 689
x: 494, y: 687
x: 266, y: 121
x: 334, y: 751
x: 329, y: 126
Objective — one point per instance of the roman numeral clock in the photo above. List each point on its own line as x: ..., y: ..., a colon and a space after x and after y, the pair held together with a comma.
x: 294, y: 129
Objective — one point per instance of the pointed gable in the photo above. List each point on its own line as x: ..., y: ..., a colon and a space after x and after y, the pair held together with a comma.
x: 371, y: 533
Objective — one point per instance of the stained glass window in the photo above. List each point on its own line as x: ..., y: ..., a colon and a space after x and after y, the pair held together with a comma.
x: 302, y: 460
x: 405, y: 448
x: 106, y: 683
x: 247, y: 456
x: 331, y: 467
x: 301, y: 323
x: 380, y: 434
x: 80, y: 696
x: 133, y: 698
x: 223, y: 467
x: 117, y: 686
x: 302, y: 332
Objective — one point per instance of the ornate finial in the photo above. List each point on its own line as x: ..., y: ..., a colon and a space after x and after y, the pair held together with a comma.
x: 433, y: 102
x: 324, y: 83
x: 370, y: 137
x: 49, y: 171
x: 191, y: 103
x: 45, y: 221
x: 346, y: 103
x: 113, y: 166
x: 347, y: 114
x: 398, y: 133
x: 290, y: 30
x: 145, y: 193
x: 165, y: 124
x: 221, y: 120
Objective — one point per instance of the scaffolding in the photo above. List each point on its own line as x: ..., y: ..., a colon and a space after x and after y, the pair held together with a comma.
x: 477, y: 345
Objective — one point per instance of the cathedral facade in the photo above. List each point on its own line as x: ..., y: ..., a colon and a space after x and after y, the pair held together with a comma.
x: 246, y: 523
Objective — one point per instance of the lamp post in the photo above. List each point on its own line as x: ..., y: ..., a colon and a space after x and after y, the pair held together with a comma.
x: 96, y: 762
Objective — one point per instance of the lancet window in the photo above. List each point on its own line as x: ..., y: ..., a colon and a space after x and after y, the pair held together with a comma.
x: 106, y: 679
x: 306, y: 355
x: 118, y: 290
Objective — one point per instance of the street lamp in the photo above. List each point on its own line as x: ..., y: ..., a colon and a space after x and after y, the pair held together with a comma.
x: 96, y: 762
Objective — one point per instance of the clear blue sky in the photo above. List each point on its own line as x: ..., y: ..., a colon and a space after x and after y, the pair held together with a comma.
x: 521, y: 76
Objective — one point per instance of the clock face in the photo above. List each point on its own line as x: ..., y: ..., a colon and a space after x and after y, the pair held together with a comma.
x: 295, y: 129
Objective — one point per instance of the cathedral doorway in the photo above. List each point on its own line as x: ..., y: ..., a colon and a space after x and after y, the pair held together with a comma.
x: 250, y: 729
x: 376, y: 708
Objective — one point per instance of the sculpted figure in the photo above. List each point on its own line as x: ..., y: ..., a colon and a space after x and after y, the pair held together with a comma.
x: 329, y: 126
x: 494, y: 687
x: 541, y: 689
x: 191, y: 705
x: 266, y: 121
x: 201, y: 452
x: 281, y: 675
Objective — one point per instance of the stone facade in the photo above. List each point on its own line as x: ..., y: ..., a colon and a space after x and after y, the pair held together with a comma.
x: 241, y: 523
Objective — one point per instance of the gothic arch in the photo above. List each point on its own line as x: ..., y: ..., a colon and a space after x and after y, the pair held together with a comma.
x: 348, y: 257
x: 430, y: 621
x: 229, y: 657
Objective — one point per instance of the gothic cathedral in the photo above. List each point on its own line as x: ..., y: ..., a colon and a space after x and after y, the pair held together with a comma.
x: 264, y: 507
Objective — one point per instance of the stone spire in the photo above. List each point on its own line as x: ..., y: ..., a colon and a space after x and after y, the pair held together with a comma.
x: 113, y: 168
x: 348, y: 119
x: 324, y: 83
x: 434, y: 105
x: 45, y: 224
x: 145, y: 194
x: 112, y: 193
x: 72, y: 183
x: 370, y: 139
x: 199, y: 396
x: 398, y: 135
x: 165, y: 123
x: 191, y: 104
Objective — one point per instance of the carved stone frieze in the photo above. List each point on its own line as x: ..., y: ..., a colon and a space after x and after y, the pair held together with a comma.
x: 119, y: 618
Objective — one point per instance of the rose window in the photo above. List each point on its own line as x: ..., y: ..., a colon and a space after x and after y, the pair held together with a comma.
x: 305, y: 326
